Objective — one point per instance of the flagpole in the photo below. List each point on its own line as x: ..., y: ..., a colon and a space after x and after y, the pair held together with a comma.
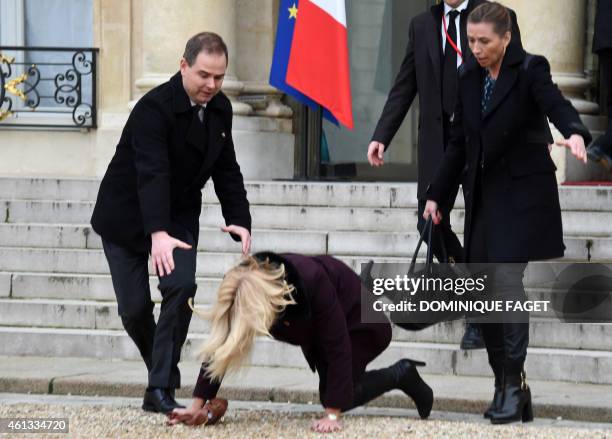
x: 313, y: 134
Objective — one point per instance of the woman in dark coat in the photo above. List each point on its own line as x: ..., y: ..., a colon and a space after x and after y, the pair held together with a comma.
x: 511, y: 197
x: 314, y: 303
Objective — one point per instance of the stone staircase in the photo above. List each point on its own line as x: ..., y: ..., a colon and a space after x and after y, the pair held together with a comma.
x: 56, y: 297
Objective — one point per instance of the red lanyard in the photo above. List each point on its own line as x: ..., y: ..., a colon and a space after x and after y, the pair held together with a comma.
x: 450, y: 40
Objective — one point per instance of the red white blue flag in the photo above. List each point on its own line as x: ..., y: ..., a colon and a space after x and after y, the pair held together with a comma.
x: 311, y: 56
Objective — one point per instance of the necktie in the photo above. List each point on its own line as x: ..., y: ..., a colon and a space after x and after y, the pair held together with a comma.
x: 198, y: 111
x: 449, y: 78
x: 198, y: 126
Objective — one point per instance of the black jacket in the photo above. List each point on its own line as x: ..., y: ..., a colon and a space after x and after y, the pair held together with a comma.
x: 602, y: 39
x: 421, y: 73
x: 519, y: 189
x: 162, y: 161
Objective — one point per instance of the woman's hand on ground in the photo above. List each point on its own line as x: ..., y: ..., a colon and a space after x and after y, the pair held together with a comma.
x: 328, y: 424
x: 197, y: 414
x: 325, y: 425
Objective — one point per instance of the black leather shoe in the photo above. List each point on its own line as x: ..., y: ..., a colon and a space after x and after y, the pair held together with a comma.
x: 159, y: 401
x: 516, y: 401
x: 472, y: 338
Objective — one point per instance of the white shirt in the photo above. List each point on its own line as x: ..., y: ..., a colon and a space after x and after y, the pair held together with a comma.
x: 462, y: 7
x: 201, y: 112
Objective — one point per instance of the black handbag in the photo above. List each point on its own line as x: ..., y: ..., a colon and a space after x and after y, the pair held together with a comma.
x: 416, y: 321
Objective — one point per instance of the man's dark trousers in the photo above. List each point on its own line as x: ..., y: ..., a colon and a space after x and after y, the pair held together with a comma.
x: 605, y: 60
x: 453, y: 246
x: 159, y: 344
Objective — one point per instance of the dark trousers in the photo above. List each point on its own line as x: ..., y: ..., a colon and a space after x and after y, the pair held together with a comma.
x: 605, y: 62
x: 507, y: 339
x: 159, y: 343
x: 451, y: 242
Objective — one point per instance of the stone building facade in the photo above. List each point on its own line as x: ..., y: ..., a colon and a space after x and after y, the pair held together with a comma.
x: 140, y: 43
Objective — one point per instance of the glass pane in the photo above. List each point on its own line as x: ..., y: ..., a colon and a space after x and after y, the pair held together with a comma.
x: 61, y: 23
x: 66, y: 23
x: 377, y: 39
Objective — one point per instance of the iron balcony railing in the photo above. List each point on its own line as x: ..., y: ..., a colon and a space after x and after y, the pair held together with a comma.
x: 48, y: 86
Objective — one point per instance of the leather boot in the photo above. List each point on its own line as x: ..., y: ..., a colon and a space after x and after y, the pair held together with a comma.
x: 402, y: 375
x: 516, y: 401
x: 498, y: 371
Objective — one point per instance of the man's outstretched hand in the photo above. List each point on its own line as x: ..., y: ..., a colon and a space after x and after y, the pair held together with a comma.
x: 375, y: 153
x: 245, y: 236
x: 162, y: 246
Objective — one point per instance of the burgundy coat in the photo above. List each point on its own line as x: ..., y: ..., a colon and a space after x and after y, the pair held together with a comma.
x: 326, y: 323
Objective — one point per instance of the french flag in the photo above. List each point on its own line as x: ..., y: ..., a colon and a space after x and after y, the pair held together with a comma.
x: 318, y: 61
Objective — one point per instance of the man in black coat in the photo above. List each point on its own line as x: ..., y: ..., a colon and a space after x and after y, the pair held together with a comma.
x: 435, y: 51
x: 601, y: 149
x: 177, y: 137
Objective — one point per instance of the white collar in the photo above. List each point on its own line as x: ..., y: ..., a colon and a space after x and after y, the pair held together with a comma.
x: 193, y: 104
x: 462, y: 7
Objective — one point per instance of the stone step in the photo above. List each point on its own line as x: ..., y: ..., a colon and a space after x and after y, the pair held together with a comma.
x: 70, y: 286
x: 582, y: 366
x: 91, y: 382
x: 92, y: 287
x: 209, y: 264
x: 307, y: 242
x: 88, y: 314
x: 65, y: 236
x: 289, y: 193
x: 594, y: 122
x: 259, y: 192
x: 88, y: 287
x: 17, y: 259
x: 379, y: 244
x: 58, y: 267
x: 316, y: 218
x: 543, y: 332
x: 48, y: 188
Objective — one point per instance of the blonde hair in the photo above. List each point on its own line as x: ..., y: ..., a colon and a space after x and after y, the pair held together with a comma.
x: 249, y: 299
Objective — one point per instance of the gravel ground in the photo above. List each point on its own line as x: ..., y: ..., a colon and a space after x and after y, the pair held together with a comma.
x: 127, y: 421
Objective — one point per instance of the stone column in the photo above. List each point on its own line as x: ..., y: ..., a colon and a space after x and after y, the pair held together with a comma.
x: 166, y: 27
x: 256, y: 21
x: 112, y: 34
x: 557, y: 30
x: 590, y: 65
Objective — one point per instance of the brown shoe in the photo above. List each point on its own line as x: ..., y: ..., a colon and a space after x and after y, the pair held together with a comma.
x: 216, y: 409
